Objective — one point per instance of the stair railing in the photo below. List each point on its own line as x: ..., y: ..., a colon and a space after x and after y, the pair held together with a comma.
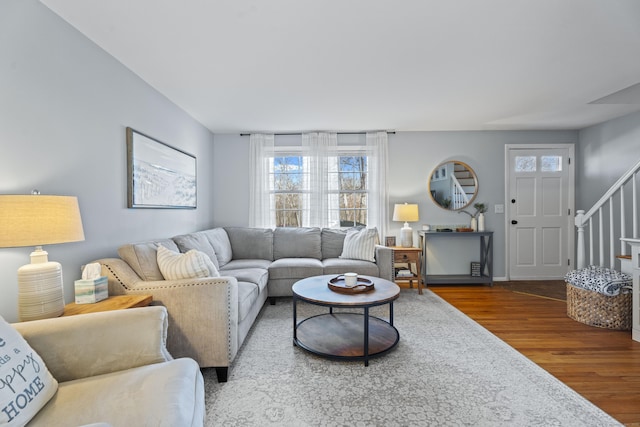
x: 459, y: 197
x: 583, y: 220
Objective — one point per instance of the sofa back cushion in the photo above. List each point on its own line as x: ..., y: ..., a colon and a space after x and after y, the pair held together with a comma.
x: 197, y: 241
x: 142, y: 257
x: 219, y: 240
x: 332, y: 242
x: 251, y: 243
x: 297, y: 242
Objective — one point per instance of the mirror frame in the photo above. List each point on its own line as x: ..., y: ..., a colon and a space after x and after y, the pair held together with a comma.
x: 436, y: 171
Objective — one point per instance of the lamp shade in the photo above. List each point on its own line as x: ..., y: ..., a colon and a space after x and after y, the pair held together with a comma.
x: 36, y: 220
x: 405, y: 212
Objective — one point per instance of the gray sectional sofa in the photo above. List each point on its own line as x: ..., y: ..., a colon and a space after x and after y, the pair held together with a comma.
x: 209, y: 317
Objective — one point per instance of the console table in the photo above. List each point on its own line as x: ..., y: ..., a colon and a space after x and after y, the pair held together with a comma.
x: 486, y: 257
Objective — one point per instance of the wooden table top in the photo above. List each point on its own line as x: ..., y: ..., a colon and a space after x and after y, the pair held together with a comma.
x: 117, y: 302
x: 316, y: 290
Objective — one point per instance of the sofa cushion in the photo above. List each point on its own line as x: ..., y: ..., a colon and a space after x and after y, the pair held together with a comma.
x: 251, y: 243
x: 26, y: 385
x: 197, y: 241
x: 247, y: 296
x: 259, y: 276
x: 142, y: 257
x: 134, y: 392
x: 176, y: 266
x: 295, y: 268
x: 297, y: 242
x: 339, y: 266
x: 219, y: 240
x: 360, y: 244
x: 332, y: 242
x: 237, y: 264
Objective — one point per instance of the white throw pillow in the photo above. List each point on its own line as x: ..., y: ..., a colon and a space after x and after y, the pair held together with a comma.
x: 175, y: 266
x: 360, y: 244
x: 26, y: 385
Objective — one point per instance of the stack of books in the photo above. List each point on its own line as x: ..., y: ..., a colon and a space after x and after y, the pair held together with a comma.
x: 404, y: 273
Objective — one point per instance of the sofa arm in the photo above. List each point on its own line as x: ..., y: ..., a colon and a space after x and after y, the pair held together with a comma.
x: 203, y: 312
x: 384, y: 260
x: 92, y: 344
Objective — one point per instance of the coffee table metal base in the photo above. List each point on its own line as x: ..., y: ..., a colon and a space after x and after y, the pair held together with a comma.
x: 342, y: 336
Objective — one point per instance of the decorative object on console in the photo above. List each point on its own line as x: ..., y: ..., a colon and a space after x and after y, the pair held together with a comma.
x: 477, y: 218
x: 407, y: 213
x: 36, y: 220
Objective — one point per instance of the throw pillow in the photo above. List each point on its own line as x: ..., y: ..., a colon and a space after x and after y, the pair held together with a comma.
x: 360, y: 244
x: 175, y: 266
x: 26, y: 385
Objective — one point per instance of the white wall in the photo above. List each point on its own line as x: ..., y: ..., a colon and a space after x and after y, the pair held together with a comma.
x: 64, y: 107
x: 412, y: 157
x: 605, y: 152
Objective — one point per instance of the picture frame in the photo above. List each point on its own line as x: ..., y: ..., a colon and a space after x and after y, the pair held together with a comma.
x: 390, y: 241
x: 158, y: 175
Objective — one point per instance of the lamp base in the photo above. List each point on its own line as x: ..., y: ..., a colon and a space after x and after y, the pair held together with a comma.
x: 40, y: 291
x: 406, y: 236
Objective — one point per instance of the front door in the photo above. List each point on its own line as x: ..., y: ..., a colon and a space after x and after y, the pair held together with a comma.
x: 540, y: 201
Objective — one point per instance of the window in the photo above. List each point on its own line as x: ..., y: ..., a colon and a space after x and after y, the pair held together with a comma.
x: 319, y: 182
x: 287, y: 193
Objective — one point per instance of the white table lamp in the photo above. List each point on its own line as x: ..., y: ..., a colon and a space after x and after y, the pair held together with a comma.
x: 36, y: 220
x: 407, y: 213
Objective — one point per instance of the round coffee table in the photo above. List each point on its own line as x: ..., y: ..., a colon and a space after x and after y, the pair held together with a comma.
x: 347, y: 336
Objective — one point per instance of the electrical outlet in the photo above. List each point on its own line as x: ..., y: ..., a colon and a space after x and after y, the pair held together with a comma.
x: 499, y: 209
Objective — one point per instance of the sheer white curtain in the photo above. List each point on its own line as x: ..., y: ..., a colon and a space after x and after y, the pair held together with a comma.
x: 377, y: 149
x: 320, y: 158
x: 262, y: 151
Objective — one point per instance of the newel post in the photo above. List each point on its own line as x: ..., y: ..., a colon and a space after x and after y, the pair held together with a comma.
x: 580, y: 240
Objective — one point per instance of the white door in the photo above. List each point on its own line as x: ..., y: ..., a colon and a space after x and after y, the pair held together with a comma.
x: 540, y: 200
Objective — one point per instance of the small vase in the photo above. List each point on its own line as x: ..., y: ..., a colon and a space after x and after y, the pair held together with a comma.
x: 474, y: 224
x: 481, y: 222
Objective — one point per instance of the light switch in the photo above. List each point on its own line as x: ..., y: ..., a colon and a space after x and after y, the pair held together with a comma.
x: 499, y: 209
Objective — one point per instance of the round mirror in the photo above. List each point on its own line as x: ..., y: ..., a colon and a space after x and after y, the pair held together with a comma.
x: 453, y: 185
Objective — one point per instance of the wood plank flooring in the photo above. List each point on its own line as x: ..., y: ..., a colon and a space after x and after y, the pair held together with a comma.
x: 602, y: 365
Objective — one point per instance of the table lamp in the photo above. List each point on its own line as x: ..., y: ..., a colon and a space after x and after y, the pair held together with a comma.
x: 36, y: 220
x: 407, y: 213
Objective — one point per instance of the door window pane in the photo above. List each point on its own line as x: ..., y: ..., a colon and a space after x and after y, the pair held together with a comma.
x: 551, y: 163
x: 525, y: 164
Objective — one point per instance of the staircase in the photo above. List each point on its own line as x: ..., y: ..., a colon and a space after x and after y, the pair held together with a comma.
x: 464, y: 186
x: 601, y: 227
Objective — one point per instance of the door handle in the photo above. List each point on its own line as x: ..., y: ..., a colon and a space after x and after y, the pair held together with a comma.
x: 513, y: 200
x: 514, y: 222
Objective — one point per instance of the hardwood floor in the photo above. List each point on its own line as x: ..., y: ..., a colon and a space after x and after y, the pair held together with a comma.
x: 602, y: 365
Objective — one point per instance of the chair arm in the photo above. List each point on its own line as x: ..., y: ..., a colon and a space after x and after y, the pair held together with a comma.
x: 92, y: 344
x: 203, y: 312
x: 384, y: 260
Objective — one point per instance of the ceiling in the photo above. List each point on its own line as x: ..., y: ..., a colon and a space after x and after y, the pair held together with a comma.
x: 408, y: 65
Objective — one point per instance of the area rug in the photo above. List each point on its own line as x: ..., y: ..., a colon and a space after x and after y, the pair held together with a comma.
x: 447, y: 370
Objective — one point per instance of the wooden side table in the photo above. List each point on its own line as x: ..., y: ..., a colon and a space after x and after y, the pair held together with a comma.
x: 409, y: 256
x: 118, y: 302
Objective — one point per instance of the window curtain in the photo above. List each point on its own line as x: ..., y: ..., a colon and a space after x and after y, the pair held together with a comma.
x: 320, y: 202
x: 377, y: 149
x: 262, y: 151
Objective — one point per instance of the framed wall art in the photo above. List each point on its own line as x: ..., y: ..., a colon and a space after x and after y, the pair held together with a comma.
x: 158, y: 175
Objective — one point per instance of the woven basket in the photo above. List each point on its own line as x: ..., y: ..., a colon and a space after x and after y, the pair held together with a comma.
x: 595, y: 309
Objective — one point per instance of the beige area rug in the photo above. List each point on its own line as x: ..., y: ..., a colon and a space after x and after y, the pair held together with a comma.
x: 446, y: 371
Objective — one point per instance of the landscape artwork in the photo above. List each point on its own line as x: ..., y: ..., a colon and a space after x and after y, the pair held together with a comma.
x: 159, y: 176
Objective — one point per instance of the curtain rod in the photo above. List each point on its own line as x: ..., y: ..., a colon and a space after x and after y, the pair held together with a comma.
x: 392, y: 132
